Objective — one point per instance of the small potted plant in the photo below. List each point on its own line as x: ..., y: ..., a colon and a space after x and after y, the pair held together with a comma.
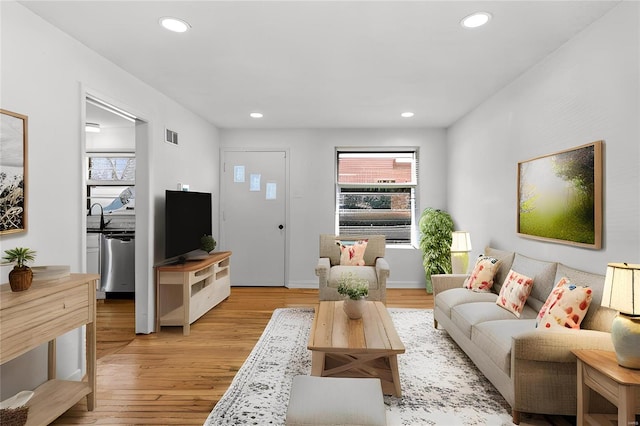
x: 356, y: 290
x: 207, y: 243
x: 21, y: 276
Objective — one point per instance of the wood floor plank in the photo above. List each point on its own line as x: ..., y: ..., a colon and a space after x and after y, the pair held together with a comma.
x: 166, y: 378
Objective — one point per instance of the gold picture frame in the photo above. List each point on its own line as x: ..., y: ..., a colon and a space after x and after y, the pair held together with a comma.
x: 560, y: 197
x: 13, y: 172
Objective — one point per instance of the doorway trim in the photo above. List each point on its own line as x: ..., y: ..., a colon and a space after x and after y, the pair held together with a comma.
x: 144, y: 229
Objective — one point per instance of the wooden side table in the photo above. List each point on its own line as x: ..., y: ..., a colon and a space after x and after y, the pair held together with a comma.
x: 599, y: 371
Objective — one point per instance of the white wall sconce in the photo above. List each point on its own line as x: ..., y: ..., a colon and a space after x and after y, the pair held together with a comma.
x: 460, y: 248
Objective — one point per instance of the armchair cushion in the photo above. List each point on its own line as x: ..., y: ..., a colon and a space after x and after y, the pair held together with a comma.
x: 366, y: 272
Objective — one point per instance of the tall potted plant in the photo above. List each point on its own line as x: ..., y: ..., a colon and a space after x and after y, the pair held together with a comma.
x: 435, y: 241
x: 21, y: 277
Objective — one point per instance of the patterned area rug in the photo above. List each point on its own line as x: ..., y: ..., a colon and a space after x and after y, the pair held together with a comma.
x: 440, y: 385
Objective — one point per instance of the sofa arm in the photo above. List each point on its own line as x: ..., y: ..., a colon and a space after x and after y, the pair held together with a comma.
x: 442, y: 282
x: 382, y: 269
x: 556, y: 346
x: 322, y: 269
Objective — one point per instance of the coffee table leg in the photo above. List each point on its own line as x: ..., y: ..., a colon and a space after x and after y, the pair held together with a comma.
x: 393, y: 363
x: 317, y: 363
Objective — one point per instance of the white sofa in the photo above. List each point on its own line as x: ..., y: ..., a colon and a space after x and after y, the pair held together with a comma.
x: 533, y: 369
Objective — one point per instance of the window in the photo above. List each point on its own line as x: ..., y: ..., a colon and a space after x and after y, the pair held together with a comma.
x: 111, y: 181
x: 376, y: 193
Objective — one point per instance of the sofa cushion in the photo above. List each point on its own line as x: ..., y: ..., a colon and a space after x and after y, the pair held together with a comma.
x: 543, y: 274
x: 506, y: 259
x: 597, y: 317
x: 514, y: 292
x: 481, y: 278
x: 494, y: 339
x: 467, y: 315
x: 566, y: 306
x: 457, y: 296
x: 366, y: 272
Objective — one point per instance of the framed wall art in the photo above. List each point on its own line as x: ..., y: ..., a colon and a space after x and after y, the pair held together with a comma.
x: 560, y: 197
x: 13, y: 172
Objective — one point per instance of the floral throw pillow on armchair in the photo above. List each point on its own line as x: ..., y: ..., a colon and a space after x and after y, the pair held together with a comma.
x: 352, y: 252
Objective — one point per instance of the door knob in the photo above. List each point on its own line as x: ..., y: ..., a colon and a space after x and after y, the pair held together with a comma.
x: 280, y: 226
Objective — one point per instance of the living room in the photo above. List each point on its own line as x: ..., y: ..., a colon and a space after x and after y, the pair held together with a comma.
x: 585, y: 90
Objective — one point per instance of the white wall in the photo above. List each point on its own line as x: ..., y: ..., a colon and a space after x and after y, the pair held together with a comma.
x: 44, y: 74
x: 587, y: 90
x: 312, y: 197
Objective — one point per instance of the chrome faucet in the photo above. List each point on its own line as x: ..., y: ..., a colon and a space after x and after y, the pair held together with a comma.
x: 102, y: 224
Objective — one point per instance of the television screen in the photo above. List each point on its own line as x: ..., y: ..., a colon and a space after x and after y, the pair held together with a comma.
x: 187, y: 219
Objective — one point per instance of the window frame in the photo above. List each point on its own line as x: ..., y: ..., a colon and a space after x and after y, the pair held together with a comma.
x: 413, y: 186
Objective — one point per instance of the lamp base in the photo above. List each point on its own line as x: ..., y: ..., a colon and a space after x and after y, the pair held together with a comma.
x: 459, y: 262
x: 625, y: 334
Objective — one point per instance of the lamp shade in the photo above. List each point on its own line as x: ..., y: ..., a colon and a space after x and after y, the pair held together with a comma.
x: 622, y: 288
x: 460, y: 241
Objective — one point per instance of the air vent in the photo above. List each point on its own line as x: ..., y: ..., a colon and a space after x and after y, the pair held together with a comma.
x: 171, y: 136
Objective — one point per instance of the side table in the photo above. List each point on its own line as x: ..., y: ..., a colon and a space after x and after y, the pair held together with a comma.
x: 599, y: 371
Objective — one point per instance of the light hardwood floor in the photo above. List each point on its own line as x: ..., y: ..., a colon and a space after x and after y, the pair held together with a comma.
x: 166, y: 378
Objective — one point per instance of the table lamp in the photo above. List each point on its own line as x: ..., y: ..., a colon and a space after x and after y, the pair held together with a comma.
x: 622, y: 293
x: 460, y: 248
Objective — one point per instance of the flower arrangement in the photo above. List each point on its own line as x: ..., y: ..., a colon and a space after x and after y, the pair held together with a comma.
x: 353, y: 287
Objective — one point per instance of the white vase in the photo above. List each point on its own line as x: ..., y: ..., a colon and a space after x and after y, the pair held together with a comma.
x: 354, y: 308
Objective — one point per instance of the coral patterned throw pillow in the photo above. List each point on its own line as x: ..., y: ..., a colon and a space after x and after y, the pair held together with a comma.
x: 352, y: 252
x: 514, y: 292
x: 481, y: 279
x: 565, y: 307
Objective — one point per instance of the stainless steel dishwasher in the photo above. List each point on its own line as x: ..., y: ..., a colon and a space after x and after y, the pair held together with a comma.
x: 117, y: 263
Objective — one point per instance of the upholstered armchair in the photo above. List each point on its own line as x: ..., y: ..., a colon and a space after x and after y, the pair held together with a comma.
x: 375, y: 269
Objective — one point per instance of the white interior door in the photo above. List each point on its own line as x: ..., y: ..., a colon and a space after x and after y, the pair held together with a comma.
x: 253, y: 208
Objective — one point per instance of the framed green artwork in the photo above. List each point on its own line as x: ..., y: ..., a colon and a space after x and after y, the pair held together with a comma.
x: 560, y: 197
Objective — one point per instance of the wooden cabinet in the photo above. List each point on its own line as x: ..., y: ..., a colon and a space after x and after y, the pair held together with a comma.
x: 186, y: 292
x: 39, y: 315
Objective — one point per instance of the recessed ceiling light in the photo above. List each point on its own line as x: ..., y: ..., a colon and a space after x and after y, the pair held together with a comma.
x: 476, y: 20
x: 256, y: 115
x: 407, y: 114
x: 174, y: 24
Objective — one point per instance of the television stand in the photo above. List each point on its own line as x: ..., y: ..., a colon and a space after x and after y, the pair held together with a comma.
x: 185, y: 292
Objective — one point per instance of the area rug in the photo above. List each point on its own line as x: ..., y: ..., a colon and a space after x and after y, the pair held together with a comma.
x: 440, y: 385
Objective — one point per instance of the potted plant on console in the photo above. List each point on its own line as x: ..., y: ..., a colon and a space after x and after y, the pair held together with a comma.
x: 21, y: 277
x: 356, y: 290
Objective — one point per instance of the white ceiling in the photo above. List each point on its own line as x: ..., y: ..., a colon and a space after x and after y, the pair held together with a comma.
x: 314, y: 64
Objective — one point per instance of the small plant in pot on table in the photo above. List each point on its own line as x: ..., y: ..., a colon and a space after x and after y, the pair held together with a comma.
x: 21, y: 277
x: 356, y: 290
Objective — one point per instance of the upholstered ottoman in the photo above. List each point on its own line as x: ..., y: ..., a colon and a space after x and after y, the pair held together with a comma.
x: 335, y: 401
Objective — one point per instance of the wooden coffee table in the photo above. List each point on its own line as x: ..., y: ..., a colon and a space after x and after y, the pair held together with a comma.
x: 367, y: 347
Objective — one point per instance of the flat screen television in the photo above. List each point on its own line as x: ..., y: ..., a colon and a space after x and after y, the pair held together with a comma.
x: 187, y: 218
